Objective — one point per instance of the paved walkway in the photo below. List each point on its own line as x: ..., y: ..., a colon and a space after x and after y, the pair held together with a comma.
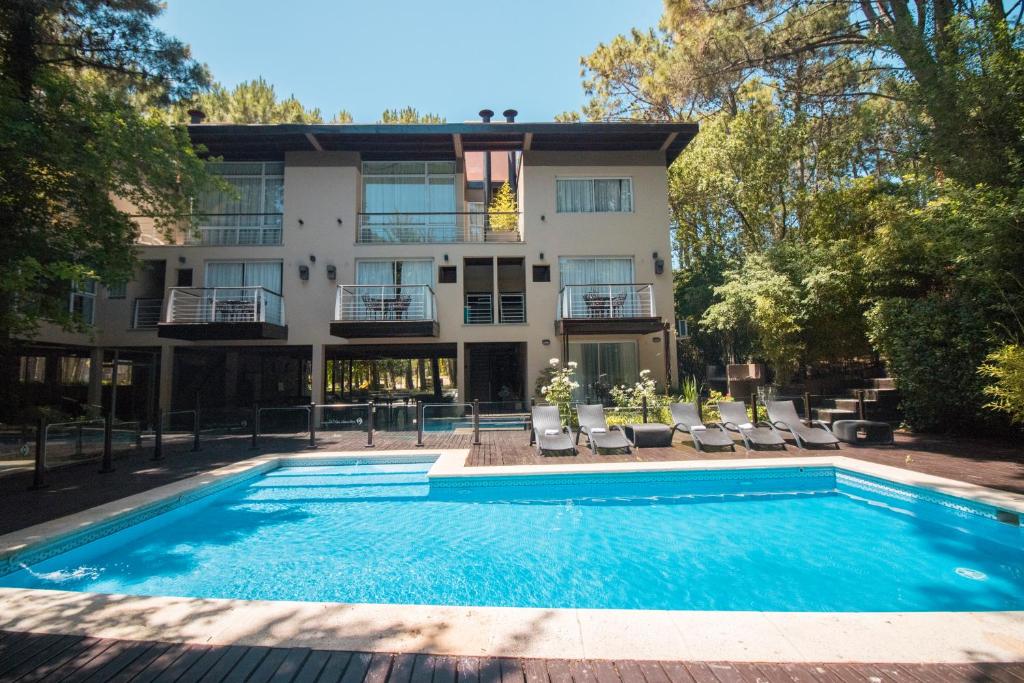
x: 26, y: 657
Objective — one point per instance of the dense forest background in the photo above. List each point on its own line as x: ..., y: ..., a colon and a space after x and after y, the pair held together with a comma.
x: 855, y: 190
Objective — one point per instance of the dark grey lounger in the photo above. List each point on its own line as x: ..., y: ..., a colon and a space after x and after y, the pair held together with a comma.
x: 735, y: 419
x: 687, y: 420
x: 782, y: 416
x: 599, y: 434
x: 546, y: 419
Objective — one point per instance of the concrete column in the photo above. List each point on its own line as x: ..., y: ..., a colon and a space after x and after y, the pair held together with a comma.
x: 95, y: 394
x: 166, y: 376
x: 460, y: 370
x: 319, y: 372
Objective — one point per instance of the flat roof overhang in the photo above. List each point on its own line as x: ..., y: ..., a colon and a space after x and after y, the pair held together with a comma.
x: 373, y: 329
x: 221, y: 331
x: 438, y: 141
x: 609, y: 325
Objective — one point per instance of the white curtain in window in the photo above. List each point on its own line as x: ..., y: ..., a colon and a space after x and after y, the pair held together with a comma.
x: 224, y: 274
x: 610, y: 278
x: 375, y: 273
x: 602, y: 365
x: 574, y: 196
x: 418, y: 272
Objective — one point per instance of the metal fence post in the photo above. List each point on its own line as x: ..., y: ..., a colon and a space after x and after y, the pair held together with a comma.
x: 255, y: 424
x: 158, y: 436
x: 860, y: 404
x: 419, y: 424
x: 108, y: 444
x: 195, y: 431
x: 369, y: 425
x: 78, y: 441
x: 643, y: 408
x: 312, y: 424
x: 476, y: 422
x: 807, y: 407
x: 39, y: 476
x: 753, y: 406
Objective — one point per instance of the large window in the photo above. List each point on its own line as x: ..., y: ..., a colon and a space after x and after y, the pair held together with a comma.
x: 32, y: 370
x: 395, y: 272
x: 408, y: 201
x: 601, y: 366
x: 251, y: 213
x: 594, y: 195
x: 596, y: 287
x: 83, y: 301
x: 266, y: 274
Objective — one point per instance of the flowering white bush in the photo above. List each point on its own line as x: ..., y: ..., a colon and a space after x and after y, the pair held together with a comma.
x: 558, y: 390
x: 633, y: 396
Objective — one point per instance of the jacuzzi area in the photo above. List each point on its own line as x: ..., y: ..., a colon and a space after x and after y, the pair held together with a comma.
x: 638, y: 547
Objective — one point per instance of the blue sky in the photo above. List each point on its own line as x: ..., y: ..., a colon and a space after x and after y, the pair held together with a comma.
x: 451, y: 57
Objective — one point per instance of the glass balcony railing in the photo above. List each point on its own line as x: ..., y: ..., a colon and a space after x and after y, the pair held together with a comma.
x: 439, y: 228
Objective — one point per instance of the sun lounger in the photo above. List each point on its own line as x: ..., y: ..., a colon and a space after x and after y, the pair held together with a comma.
x: 687, y: 420
x: 783, y: 418
x: 548, y: 432
x: 599, y: 435
x: 735, y: 419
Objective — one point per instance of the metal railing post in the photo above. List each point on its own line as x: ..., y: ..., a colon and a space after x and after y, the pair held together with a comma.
x: 78, y: 441
x: 860, y: 404
x: 753, y: 406
x: 39, y: 475
x: 195, y: 430
x: 369, y: 425
x: 108, y: 444
x: 807, y: 408
x: 312, y: 424
x: 476, y: 422
x: 255, y: 424
x: 643, y: 409
x: 158, y: 436
x: 419, y: 424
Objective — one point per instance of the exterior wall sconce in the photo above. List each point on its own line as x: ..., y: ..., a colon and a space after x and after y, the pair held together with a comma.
x: 301, y: 222
x: 545, y: 342
x: 303, y: 272
x: 542, y: 217
x: 446, y: 258
x: 332, y: 273
x: 542, y: 256
x: 181, y: 259
x: 659, y: 264
x: 312, y: 258
x: 340, y: 221
x: 655, y: 339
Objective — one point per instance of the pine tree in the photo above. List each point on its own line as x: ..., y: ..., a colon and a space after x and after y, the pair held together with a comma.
x: 503, y: 211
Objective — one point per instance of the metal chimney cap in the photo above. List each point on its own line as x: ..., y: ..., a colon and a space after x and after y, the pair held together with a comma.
x: 485, y: 115
x: 196, y: 116
x: 510, y: 115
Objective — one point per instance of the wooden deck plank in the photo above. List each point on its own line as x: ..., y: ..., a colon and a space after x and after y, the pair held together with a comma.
x: 380, y: 667
x: 346, y: 667
x: 228, y: 658
x: 86, y: 671
x: 55, y: 664
x: 289, y: 668
x: 446, y: 669
x: 605, y: 672
x: 401, y: 668
x: 490, y: 670
x: 31, y: 648
x: 191, y: 655
x: 582, y: 671
x: 120, y: 662
x: 201, y: 666
x: 140, y: 663
x: 752, y: 673
x: 701, y: 672
x: 423, y: 669
x: 16, y: 671
x: 312, y: 667
x: 677, y: 672
x: 468, y: 670
x: 512, y: 670
x: 70, y: 667
x: 629, y: 671
x: 534, y: 671
x: 269, y: 666
x: 246, y: 665
x: 558, y: 670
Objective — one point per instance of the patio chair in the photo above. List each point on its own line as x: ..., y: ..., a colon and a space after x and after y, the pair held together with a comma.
x: 734, y: 419
x: 783, y: 418
x: 686, y: 419
x: 599, y: 434
x: 548, y: 432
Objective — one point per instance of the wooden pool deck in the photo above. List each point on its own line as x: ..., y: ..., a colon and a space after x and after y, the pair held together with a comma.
x: 29, y: 657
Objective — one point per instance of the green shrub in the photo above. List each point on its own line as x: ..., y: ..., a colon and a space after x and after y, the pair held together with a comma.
x: 1006, y: 367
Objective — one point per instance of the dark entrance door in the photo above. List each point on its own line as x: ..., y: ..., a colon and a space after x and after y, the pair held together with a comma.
x: 496, y: 371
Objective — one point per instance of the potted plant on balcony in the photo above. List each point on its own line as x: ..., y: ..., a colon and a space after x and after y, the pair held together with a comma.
x: 503, y: 216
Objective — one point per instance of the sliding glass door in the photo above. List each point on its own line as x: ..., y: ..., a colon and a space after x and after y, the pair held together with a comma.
x: 602, y: 365
x: 240, y: 274
x: 596, y: 287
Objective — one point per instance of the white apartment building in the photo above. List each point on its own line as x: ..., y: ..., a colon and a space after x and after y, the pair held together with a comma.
x: 359, y: 262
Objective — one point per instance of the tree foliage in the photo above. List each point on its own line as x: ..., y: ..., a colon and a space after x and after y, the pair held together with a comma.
x: 252, y: 102
x: 408, y: 115
x: 72, y: 138
x: 855, y: 187
x: 502, y: 214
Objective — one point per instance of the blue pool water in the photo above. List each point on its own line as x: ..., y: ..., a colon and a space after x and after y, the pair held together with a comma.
x: 780, y: 540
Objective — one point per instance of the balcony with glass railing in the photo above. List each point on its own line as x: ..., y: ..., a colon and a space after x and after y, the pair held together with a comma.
x: 197, y: 313
x: 439, y: 227
x: 607, y: 309
x: 363, y: 311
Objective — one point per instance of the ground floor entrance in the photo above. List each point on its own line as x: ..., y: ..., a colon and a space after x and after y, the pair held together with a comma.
x: 496, y: 372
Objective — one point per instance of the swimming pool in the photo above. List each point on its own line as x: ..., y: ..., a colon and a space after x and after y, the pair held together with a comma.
x: 771, y: 539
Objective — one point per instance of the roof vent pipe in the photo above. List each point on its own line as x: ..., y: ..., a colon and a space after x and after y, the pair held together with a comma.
x: 485, y: 115
x: 196, y: 116
x: 510, y: 115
